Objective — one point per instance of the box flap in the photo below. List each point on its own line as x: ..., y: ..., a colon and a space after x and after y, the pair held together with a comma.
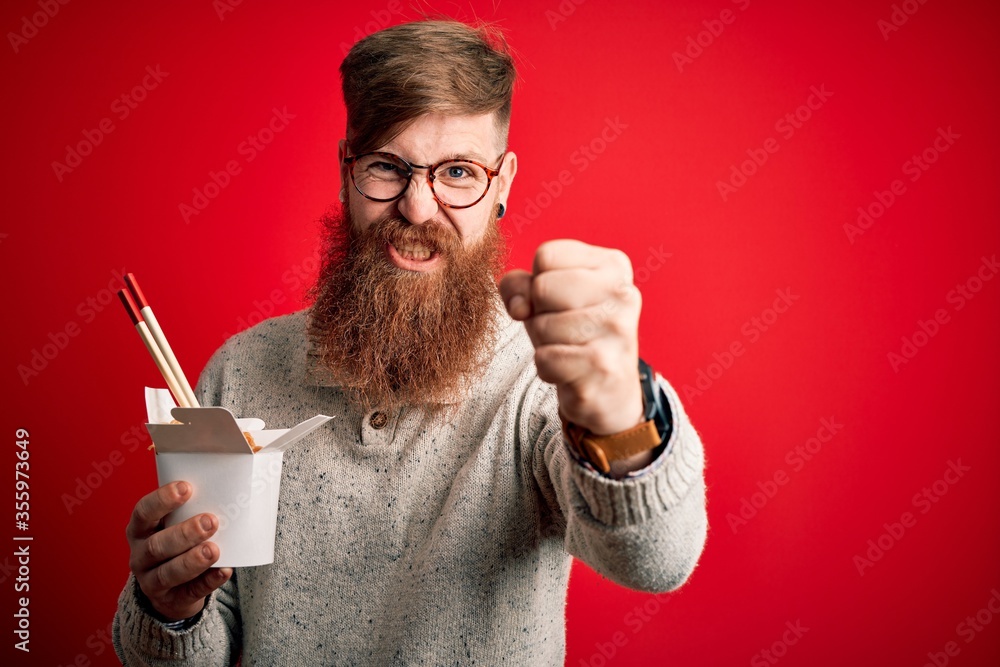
x: 295, y: 433
x: 200, y: 430
x: 215, y: 429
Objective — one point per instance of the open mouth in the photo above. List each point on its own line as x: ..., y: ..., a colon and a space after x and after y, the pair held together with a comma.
x: 413, y: 256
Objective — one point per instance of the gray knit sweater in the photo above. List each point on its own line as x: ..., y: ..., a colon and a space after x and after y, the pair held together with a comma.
x: 422, y: 542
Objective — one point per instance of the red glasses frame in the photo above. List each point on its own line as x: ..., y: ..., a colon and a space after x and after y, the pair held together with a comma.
x: 349, y: 160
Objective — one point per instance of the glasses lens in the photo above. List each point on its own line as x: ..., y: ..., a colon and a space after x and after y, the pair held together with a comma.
x: 380, y: 175
x: 460, y: 183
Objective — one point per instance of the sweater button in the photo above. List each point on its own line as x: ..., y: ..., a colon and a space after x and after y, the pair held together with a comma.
x: 378, y: 420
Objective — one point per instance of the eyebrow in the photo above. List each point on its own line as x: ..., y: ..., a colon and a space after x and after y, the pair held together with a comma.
x: 465, y: 156
x: 475, y: 157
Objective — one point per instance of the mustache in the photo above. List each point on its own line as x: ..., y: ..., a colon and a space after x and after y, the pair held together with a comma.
x: 398, y: 231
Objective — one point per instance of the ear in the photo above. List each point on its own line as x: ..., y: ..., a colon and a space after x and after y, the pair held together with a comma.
x: 345, y: 176
x: 506, y: 176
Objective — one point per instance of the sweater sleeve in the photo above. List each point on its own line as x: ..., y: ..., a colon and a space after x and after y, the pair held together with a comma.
x: 141, y: 640
x: 645, y: 532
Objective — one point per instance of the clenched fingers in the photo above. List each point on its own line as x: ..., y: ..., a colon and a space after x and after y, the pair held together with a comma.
x: 573, y: 289
x: 515, y: 290
x: 577, y: 327
x: 569, y: 253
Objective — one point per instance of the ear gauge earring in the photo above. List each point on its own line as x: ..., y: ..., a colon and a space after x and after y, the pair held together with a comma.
x: 500, y: 211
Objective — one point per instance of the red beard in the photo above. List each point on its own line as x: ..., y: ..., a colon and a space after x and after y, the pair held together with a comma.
x: 397, y: 338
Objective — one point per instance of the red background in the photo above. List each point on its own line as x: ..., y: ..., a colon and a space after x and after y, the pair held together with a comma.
x: 653, y: 187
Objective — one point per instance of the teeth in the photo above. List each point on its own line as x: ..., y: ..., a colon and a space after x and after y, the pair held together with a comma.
x: 417, y: 252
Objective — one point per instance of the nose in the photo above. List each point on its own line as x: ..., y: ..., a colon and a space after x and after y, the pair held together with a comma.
x: 418, y: 204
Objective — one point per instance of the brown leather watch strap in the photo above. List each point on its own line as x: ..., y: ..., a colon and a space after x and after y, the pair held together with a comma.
x: 601, y: 450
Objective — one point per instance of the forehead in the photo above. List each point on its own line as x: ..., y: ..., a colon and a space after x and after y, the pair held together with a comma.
x: 435, y: 137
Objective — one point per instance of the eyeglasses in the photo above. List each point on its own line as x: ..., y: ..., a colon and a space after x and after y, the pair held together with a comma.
x: 454, y: 183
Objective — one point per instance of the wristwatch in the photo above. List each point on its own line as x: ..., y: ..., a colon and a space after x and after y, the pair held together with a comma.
x: 654, y: 432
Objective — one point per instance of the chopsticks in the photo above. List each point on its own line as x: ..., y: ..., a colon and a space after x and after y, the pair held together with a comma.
x: 149, y: 330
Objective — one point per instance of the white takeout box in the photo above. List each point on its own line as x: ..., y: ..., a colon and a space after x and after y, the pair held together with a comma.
x: 240, y: 487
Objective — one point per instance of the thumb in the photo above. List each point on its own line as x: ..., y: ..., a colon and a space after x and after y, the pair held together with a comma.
x: 515, y: 290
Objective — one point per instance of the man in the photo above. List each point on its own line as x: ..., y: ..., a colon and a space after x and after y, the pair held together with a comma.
x: 481, y: 435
